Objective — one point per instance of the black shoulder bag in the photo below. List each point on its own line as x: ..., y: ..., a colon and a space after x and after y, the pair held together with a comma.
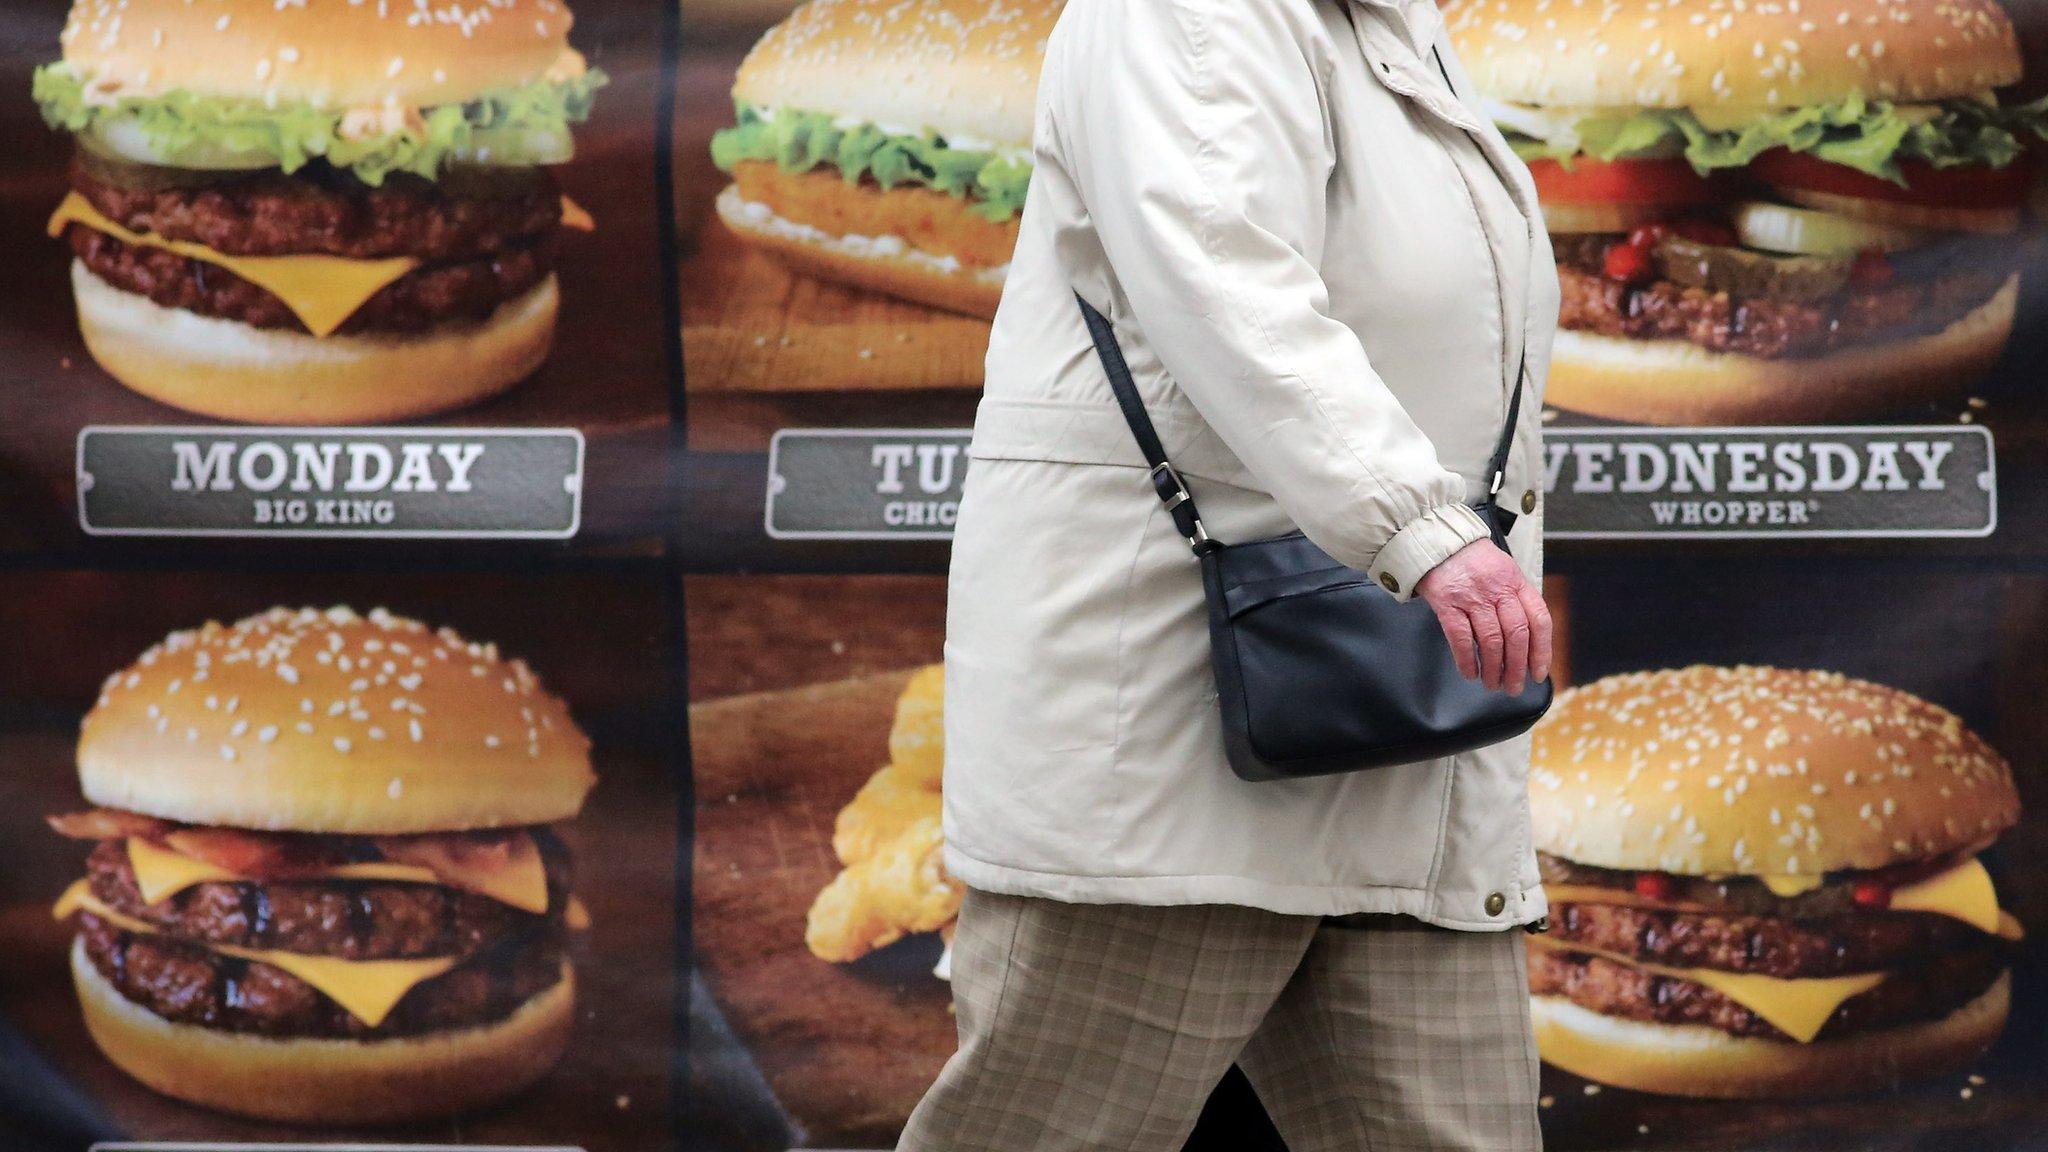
x: 1319, y: 669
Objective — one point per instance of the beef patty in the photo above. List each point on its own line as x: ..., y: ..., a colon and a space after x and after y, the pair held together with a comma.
x: 319, y: 211
x: 353, y: 920
x: 1768, y: 945
x: 188, y: 984
x: 419, y: 301
x: 1755, y: 326
x: 1926, y: 992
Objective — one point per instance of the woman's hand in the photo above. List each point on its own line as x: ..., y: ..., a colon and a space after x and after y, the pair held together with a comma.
x: 1495, y: 619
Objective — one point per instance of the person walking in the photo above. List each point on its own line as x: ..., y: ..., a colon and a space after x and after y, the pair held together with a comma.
x: 1327, y: 272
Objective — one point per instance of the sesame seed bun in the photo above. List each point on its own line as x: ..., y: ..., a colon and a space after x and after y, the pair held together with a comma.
x: 323, y: 1081
x: 233, y: 371
x: 1711, y: 771
x: 329, y: 721
x: 966, y: 69
x: 1635, y: 53
x: 1696, y: 1060
x: 1677, y: 382
x: 329, y: 53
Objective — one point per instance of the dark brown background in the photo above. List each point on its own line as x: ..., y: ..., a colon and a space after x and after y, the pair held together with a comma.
x: 607, y: 376
x: 794, y: 680
x: 598, y: 640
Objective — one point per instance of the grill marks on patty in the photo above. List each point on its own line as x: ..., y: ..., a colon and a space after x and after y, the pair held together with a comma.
x: 476, y: 252
x: 188, y: 984
x: 416, y: 302
x: 1767, y: 945
x: 352, y: 920
x: 1754, y: 326
x: 1928, y: 992
x: 507, y: 956
x: 276, y: 215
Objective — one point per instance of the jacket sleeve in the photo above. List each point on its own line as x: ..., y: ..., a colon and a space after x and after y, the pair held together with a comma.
x: 1200, y: 145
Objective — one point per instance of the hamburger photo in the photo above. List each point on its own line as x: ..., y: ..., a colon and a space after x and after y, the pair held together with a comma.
x: 887, y: 144
x: 1765, y: 883
x: 323, y: 212
x: 1765, y: 212
x: 322, y: 886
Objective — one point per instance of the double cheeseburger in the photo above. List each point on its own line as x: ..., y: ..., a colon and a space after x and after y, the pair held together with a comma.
x: 1765, y: 883
x: 322, y: 887
x: 887, y: 144
x: 1765, y: 212
x: 327, y: 211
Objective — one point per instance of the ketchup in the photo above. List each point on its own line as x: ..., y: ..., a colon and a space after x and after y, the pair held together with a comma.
x: 1655, y: 885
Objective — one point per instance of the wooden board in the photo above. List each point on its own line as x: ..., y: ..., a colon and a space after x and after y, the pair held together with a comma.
x: 848, y: 1048
x: 767, y: 329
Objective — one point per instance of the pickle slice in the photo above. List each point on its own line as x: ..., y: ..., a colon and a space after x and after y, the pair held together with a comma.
x: 125, y: 138
x: 1741, y: 272
x: 108, y: 167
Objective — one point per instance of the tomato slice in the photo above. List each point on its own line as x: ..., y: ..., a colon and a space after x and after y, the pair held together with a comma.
x: 1968, y: 186
x: 1663, y: 181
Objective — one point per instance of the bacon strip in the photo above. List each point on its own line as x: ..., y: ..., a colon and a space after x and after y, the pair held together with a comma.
x: 108, y: 824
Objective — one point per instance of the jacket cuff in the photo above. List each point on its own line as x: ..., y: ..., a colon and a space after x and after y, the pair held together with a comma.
x: 1422, y: 544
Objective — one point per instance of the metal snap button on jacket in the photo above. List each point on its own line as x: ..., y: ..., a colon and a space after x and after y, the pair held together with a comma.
x: 1494, y: 903
x: 1388, y: 582
x: 1529, y: 500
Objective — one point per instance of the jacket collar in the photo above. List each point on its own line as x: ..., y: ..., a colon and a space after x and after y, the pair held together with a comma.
x: 1396, y: 37
x: 1417, y: 20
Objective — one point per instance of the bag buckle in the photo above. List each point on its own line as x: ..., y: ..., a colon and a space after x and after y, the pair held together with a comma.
x: 1167, y: 482
x: 1173, y: 492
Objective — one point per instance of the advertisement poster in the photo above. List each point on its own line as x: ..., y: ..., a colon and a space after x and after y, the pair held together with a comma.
x: 479, y: 478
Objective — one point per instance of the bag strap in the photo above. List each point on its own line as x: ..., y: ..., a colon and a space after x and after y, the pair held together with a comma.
x: 1497, y: 468
x: 1173, y: 491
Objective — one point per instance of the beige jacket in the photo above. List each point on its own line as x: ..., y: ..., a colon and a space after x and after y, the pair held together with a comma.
x: 1322, y: 267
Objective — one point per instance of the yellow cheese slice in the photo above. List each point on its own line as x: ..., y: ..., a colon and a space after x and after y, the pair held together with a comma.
x: 1798, y: 1008
x: 1964, y: 892
x: 323, y: 291
x: 380, y: 870
x: 573, y: 216
x: 521, y: 882
x: 366, y: 989
x: 1787, y: 887
x: 161, y: 873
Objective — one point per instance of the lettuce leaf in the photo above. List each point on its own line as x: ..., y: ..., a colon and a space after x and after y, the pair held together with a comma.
x: 799, y: 141
x: 1871, y: 136
x: 293, y: 135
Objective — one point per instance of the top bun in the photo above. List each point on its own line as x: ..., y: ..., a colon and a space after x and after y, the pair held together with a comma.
x: 965, y: 69
x: 328, y: 721
x: 328, y: 53
x: 1745, y: 771
x: 1707, y: 53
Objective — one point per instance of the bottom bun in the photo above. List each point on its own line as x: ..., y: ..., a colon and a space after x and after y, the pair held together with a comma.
x: 883, y: 265
x: 321, y: 1081
x: 232, y: 371
x: 1677, y: 382
x: 1695, y: 1060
